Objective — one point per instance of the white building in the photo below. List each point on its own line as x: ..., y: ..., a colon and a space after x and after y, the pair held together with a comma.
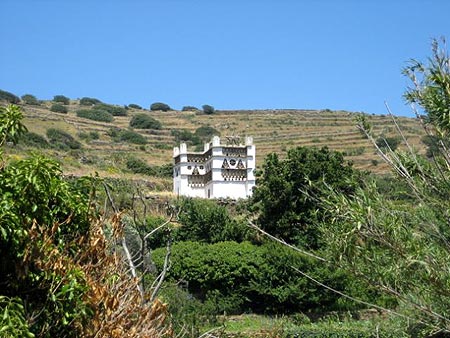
x: 220, y: 171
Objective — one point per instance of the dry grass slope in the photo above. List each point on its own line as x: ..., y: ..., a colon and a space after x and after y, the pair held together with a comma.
x: 272, y: 130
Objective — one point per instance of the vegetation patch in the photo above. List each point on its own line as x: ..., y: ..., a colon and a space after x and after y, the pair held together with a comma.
x: 95, y: 115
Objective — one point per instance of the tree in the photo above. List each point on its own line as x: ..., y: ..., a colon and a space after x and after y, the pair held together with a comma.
x: 189, y: 108
x: 288, y: 192
x: 160, y: 106
x: 143, y: 121
x: 402, y: 247
x: 9, y: 97
x: 30, y: 99
x: 58, y: 275
x: 205, y: 133
x: 61, y: 99
x: 207, y: 109
x: 89, y: 101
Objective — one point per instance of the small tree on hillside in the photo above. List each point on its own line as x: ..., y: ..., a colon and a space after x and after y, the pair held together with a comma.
x: 61, y: 99
x: 207, y: 109
x: 58, y: 108
x: 160, y: 106
x: 30, y: 99
x: 9, y: 97
x: 143, y: 121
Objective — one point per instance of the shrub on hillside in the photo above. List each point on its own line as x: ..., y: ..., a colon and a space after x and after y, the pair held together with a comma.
x: 113, y: 110
x: 58, y: 108
x: 134, y: 106
x: 205, y: 133
x: 189, y: 108
x: 143, y: 121
x: 125, y: 135
x: 96, y: 115
x: 207, y: 109
x: 30, y: 99
x: 183, y: 135
x: 160, y: 106
x: 34, y: 140
x: 61, y: 99
x: 92, y: 135
x: 9, y: 97
x: 138, y: 166
x: 89, y: 101
x: 62, y: 140
x: 385, y: 143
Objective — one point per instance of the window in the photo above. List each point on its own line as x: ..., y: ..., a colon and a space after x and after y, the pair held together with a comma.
x: 189, y: 167
x: 201, y: 167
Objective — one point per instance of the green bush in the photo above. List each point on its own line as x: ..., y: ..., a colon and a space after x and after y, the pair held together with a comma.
x: 185, y: 135
x: 238, y: 277
x: 385, y: 143
x: 134, y: 106
x: 92, y: 135
x: 125, y: 135
x: 62, y: 140
x: 207, y: 109
x: 160, y: 106
x: 30, y: 99
x: 58, y: 108
x: 113, y: 110
x: 189, y: 108
x: 138, y: 166
x: 34, y: 140
x: 89, y: 101
x: 61, y: 99
x: 205, y: 133
x: 143, y: 121
x: 9, y: 97
x: 96, y: 115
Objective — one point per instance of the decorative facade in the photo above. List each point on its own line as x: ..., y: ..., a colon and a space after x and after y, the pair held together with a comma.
x: 220, y: 171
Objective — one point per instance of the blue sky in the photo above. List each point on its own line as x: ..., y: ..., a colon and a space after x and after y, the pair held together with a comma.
x: 229, y: 54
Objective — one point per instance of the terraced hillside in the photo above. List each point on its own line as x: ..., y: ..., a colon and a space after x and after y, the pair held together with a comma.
x: 272, y: 130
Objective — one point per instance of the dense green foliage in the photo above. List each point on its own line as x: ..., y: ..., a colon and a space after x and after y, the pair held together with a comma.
x: 160, y: 106
x: 184, y: 135
x: 9, y: 97
x: 62, y: 140
x: 95, y: 115
x: 287, y: 193
x: 144, y: 121
x: 61, y: 99
x: 30, y: 99
x: 58, y: 108
x: 236, y: 277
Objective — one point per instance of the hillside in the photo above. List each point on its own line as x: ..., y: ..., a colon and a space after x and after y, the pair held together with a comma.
x: 272, y: 130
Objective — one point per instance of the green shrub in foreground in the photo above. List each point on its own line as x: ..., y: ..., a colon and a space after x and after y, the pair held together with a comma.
x: 95, y: 115
x: 89, y: 101
x: 113, y: 110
